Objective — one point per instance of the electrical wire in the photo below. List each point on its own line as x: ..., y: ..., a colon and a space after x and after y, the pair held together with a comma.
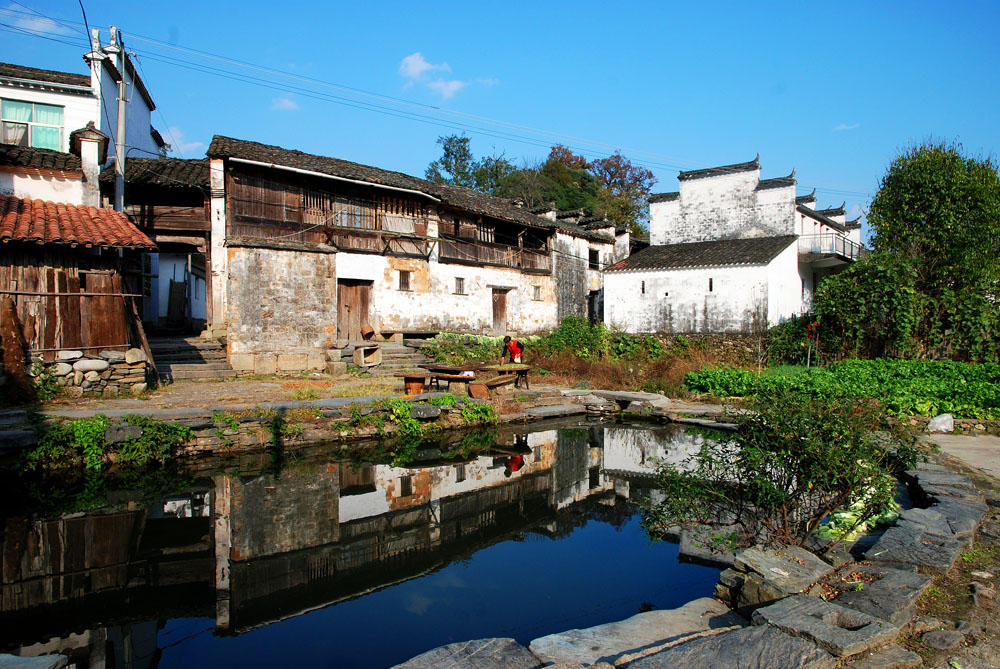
x: 588, y: 145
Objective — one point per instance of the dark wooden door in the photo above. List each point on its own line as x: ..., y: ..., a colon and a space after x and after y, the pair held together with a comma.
x: 499, y: 311
x: 353, y: 298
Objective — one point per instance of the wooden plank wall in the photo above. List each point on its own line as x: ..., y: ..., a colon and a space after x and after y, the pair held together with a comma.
x: 65, y: 315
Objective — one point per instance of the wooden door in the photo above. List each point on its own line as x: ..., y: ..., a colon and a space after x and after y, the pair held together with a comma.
x: 176, y: 303
x: 499, y: 311
x: 353, y: 298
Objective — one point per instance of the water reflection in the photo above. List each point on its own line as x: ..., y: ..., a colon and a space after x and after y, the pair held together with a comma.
x: 249, y: 549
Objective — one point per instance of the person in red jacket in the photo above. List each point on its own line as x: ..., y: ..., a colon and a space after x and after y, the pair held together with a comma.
x: 513, y: 348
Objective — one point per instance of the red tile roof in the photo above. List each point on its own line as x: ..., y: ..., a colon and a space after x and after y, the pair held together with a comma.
x: 27, y: 220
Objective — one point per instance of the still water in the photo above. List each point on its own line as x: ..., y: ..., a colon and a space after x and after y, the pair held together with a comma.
x: 322, y: 562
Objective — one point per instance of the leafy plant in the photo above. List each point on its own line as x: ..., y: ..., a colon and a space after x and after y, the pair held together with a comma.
x: 794, y: 461
x: 479, y: 413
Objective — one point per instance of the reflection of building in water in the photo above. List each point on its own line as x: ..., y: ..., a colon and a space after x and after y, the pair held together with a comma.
x: 632, y: 453
x: 254, y: 549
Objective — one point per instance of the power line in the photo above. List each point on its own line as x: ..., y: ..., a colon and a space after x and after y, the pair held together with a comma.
x: 384, y: 104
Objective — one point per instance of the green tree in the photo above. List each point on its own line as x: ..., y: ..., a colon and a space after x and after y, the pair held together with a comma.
x: 627, y: 189
x: 930, y: 288
x: 456, y: 165
x: 490, y: 174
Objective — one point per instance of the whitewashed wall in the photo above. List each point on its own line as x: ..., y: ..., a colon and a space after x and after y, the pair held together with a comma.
x: 679, y: 301
x: 717, y: 207
x: 37, y: 187
x: 431, y: 304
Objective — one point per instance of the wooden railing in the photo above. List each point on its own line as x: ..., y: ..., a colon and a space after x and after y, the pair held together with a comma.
x: 477, y: 253
x: 830, y: 244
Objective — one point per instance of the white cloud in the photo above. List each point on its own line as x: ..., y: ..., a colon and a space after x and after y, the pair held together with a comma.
x: 41, y: 24
x: 284, y: 104
x: 447, y: 89
x: 490, y: 81
x: 844, y: 126
x: 415, y: 66
x: 175, y: 137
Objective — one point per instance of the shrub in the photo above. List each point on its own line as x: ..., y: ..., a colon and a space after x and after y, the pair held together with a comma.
x: 793, y: 462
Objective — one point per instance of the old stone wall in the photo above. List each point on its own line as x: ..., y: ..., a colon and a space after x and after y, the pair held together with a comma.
x: 260, y: 512
x: 110, y: 374
x: 282, y: 307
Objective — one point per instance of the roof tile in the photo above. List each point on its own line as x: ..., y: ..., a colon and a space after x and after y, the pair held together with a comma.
x: 43, y: 222
x: 752, y: 251
x: 42, y: 159
x: 35, y: 74
x: 167, y: 172
x: 721, y: 170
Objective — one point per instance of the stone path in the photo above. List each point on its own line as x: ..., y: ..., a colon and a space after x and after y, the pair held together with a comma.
x: 980, y: 451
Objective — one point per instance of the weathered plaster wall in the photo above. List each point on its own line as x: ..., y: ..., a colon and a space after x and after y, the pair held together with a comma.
x: 573, y: 277
x: 784, y: 290
x: 664, y: 218
x: 775, y: 213
x: 39, y: 187
x: 680, y: 302
x: 282, y: 309
x: 719, y: 207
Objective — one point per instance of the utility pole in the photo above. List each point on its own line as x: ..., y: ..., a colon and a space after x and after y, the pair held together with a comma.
x: 117, y: 47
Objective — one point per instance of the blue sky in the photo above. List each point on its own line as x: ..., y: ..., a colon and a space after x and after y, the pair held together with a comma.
x: 834, y: 90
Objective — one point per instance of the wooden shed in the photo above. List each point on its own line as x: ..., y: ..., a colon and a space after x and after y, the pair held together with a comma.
x: 65, y: 267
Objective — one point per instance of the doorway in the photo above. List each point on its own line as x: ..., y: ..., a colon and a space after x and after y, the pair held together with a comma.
x: 499, y: 311
x: 353, y: 299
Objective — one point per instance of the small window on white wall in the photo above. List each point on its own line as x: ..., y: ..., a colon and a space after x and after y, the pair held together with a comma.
x: 537, y: 296
x: 459, y: 285
x: 643, y: 288
x: 404, y: 279
x: 710, y: 287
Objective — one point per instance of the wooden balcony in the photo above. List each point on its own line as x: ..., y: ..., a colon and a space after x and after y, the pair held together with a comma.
x: 477, y: 253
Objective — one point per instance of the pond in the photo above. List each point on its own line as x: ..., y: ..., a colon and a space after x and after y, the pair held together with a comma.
x: 325, y: 562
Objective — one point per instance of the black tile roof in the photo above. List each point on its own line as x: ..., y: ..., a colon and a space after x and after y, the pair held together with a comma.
x: 753, y: 251
x: 802, y: 199
x: 853, y: 225
x: 570, y: 213
x: 778, y: 182
x: 822, y: 218
x: 457, y: 197
x: 664, y: 197
x: 721, y: 170
x: 166, y: 172
x: 834, y: 211
x: 33, y: 73
x: 42, y: 159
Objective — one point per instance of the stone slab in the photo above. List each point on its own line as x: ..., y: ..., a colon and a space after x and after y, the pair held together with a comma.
x: 119, y: 433
x: 695, y: 547
x: 748, y: 648
x: 891, y: 598
x: 836, y: 629
x: 903, y: 547
x: 69, y: 355
x: 612, y: 640
x: 963, y: 516
x: 479, y: 654
x: 982, y: 451
x: 625, y: 396
x: 791, y: 568
x: 556, y: 410
x: 424, y: 411
x: 134, y: 355
x: 38, y: 662
x: 893, y: 657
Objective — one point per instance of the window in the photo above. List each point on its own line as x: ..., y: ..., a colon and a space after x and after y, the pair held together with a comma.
x: 595, y: 259
x: 459, y: 285
x: 31, y: 124
x: 404, y: 279
x: 537, y: 297
x: 643, y: 288
x: 459, y: 473
x: 710, y: 284
x: 405, y: 486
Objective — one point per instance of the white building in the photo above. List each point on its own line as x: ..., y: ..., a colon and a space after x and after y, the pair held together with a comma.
x: 43, y: 109
x: 730, y: 252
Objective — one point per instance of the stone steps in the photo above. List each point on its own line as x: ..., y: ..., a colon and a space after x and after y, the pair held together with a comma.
x: 190, y: 358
